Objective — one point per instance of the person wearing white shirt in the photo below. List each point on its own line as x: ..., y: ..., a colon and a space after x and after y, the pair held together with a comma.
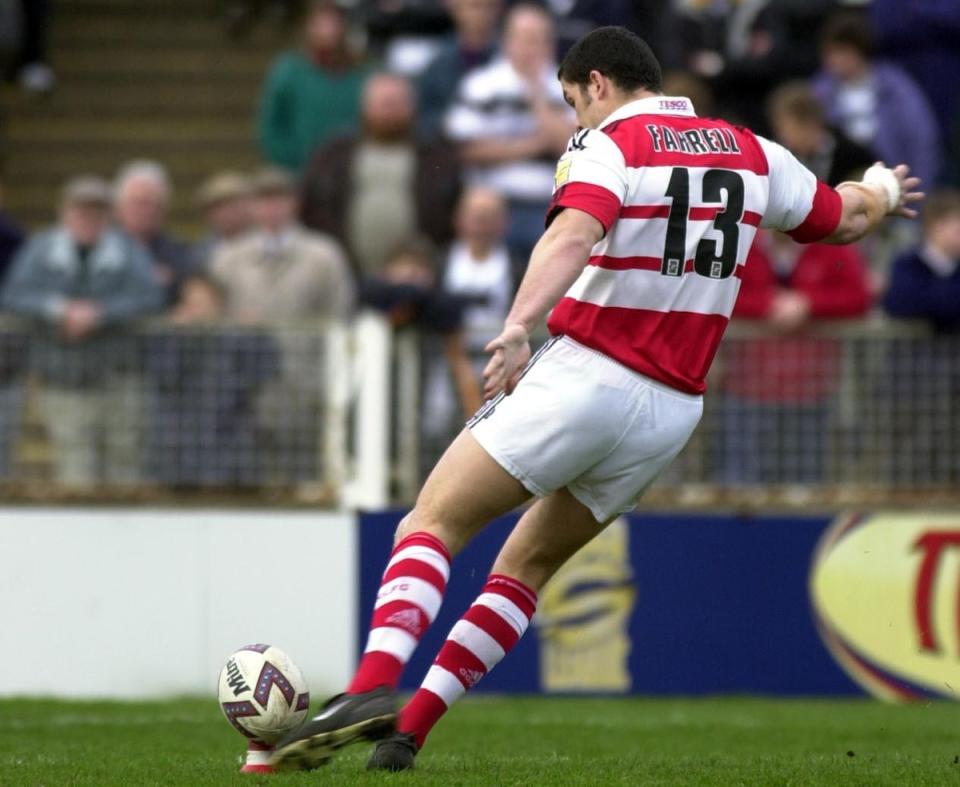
x: 511, y: 123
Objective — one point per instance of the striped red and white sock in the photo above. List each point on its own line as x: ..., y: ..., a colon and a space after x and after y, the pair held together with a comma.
x: 484, y: 635
x: 410, y: 595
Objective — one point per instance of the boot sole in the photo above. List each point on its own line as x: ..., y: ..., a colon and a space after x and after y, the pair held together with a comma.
x: 316, y: 750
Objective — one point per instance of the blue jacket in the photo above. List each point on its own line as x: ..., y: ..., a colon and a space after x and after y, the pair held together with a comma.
x: 917, y: 291
x: 118, y: 277
x: 907, y: 130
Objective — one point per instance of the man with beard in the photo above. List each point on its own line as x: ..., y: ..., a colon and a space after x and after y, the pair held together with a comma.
x: 381, y: 177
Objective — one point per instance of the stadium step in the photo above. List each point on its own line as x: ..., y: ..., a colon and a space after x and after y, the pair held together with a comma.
x: 175, y: 63
x: 147, y: 79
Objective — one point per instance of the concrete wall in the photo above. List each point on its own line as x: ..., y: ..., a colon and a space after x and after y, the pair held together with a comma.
x: 140, y: 603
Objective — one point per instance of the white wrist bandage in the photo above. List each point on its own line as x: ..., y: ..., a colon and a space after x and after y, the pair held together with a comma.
x: 885, y: 179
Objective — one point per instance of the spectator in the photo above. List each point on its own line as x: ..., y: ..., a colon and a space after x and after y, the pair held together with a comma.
x: 240, y: 15
x: 799, y: 124
x: 478, y: 268
x: 575, y: 18
x: 478, y: 271
x: 281, y: 272
x: 922, y: 38
x: 282, y: 276
x: 875, y: 102
x: 774, y: 410
x: 408, y: 293
x: 472, y: 45
x: 202, y: 394
x: 511, y: 123
x: 143, y: 193
x: 406, y: 34
x: 381, y: 177
x: 11, y: 238
x: 311, y: 96
x: 689, y: 85
x: 83, y: 284
x: 226, y: 200
x: 925, y: 283
x: 746, y: 48
x: 924, y: 379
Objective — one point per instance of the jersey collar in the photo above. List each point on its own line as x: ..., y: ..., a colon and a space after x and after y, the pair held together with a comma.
x: 653, y: 105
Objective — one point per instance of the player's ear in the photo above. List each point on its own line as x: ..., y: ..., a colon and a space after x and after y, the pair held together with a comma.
x: 597, y: 84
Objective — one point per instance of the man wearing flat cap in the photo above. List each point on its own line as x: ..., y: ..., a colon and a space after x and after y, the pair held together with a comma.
x: 286, y: 277
x: 226, y: 201
x: 82, y: 284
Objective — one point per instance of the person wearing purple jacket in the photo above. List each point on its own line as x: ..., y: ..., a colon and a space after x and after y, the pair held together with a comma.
x: 875, y: 102
x: 923, y: 38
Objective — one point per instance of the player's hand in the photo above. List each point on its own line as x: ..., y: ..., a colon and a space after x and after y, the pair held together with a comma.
x: 908, y: 193
x: 905, y: 184
x: 511, y: 351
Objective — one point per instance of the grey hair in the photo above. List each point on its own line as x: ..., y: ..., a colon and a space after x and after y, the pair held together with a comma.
x: 146, y: 169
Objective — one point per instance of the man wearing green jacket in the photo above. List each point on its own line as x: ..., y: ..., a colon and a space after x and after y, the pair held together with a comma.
x: 311, y: 95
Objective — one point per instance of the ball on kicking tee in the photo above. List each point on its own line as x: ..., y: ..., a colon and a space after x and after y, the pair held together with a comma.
x: 263, y: 693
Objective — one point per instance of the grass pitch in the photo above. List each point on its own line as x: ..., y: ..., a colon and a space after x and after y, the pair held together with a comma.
x: 529, y: 741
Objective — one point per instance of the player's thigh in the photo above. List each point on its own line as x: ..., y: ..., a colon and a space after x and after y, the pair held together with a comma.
x: 566, y: 414
x: 547, y: 535
x: 664, y: 424
x: 465, y: 491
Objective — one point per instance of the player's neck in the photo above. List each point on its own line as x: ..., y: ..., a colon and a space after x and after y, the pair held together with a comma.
x: 617, y: 101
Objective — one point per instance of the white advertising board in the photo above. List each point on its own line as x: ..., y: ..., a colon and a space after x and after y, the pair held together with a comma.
x: 131, y: 603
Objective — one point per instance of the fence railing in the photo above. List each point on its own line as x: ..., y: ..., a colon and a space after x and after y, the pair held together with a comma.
x: 293, y: 413
x: 844, y: 414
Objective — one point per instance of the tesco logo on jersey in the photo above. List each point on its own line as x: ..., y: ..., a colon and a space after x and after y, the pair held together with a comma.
x: 674, y: 105
x: 886, y: 594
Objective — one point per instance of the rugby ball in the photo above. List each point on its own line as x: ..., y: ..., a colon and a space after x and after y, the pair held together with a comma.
x: 263, y: 693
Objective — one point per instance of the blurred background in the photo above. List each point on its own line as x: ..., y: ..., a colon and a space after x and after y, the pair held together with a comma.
x: 201, y: 198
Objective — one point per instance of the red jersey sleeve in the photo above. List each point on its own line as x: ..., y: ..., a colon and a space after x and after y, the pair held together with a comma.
x: 800, y: 205
x: 592, y: 177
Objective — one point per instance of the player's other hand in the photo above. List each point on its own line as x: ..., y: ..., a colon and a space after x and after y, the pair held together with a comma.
x: 511, y: 351
x: 908, y: 191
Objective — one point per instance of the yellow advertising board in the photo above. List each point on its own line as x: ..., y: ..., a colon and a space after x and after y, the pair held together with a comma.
x: 885, y: 589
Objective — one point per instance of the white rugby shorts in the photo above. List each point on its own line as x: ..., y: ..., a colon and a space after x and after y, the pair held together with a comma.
x: 580, y: 420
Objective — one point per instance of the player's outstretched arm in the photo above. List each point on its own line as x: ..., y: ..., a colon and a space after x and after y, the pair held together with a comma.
x: 557, y: 260
x: 882, y: 192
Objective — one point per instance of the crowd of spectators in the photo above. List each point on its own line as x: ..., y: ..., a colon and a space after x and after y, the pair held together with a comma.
x: 409, y: 151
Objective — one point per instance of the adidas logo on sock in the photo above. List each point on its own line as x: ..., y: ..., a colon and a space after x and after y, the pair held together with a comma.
x: 407, y: 619
x: 471, y: 676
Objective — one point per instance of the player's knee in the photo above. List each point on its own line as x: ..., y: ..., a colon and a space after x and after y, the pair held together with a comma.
x: 404, y: 529
x: 417, y: 522
x: 532, y: 568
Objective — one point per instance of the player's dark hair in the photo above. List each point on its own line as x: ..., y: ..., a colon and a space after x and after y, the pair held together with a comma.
x: 621, y: 56
x: 850, y: 29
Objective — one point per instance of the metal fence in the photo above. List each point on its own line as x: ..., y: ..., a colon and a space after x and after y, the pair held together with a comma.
x: 857, y: 413
x: 845, y: 413
x: 215, y: 410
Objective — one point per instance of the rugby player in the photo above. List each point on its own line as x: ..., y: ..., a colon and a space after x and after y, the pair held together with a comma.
x: 652, y: 218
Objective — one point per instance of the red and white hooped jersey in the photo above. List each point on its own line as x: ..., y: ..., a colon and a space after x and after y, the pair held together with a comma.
x: 681, y: 199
